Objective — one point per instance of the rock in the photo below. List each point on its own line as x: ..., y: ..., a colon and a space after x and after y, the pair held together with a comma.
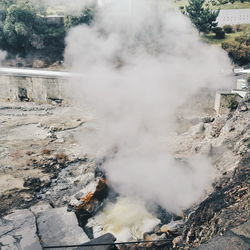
x: 205, y: 149
x: 58, y: 227
x: 87, y: 202
x: 106, y: 238
x: 33, y: 183
x: 171, y: 227
x: 228, y: 242
x: 177, y: 240
x: 242, y: 107
x: 40, y: 207
x: 207, y: 119
x: 154, y: 236
x: 18, y: 231
x: 197, y: 129
x: 227, y: 207
x: 242, y: 230
x: 22, y: 94
x: 164, y: 229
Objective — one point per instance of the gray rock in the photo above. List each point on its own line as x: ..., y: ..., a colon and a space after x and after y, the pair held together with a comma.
x: 206, y: 149
x: 18, y: 231
x: 58, y: 227
x: 197, y: 129
x: 225, y: 243
x: 106, y: 238
x: 207, y: 119
x: 40, y: 207
x: 243, y: 229
x: 242, y: 107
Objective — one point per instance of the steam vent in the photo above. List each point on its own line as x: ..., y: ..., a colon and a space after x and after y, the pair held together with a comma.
x: 123, y: 126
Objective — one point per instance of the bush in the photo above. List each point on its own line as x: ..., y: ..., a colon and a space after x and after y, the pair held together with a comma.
x: 239, y: 49
x: 23, y: 31
x: 232, y: 104
x: 219, y: 33
x: 238, y: 28
x: 18, y: 27
x: 85, y: 17
x: 228, y: 29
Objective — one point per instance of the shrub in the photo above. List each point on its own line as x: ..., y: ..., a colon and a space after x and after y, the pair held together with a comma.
x: 239, y: 49
x: 238, y: 27
x: 228, y: 29
x: 219, y: 33
x: 85, y: 17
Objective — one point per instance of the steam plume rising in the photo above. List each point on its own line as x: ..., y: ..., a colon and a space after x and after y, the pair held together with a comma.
x: 141, y: 63
x: 2, y: 56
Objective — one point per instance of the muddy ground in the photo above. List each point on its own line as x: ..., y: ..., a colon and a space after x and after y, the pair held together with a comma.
x: 36, y: 143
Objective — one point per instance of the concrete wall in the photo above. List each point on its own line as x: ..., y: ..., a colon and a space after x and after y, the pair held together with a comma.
x: 54, y: 19
x: 30, y: 88
x: 225, y: 101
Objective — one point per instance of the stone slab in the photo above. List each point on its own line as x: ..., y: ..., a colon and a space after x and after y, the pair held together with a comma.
x: 58, y: 227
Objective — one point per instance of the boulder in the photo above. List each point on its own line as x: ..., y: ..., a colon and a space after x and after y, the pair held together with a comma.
x: 88, y: 200
x: 207, y: 119
x: 18, y: 231
x: 227, y: 242
x: 171, y: 227
x: 242, y: 107
x: 40, y: 207
x: 242, y: 230
x: 58, y: 227
x: 154, y: 236
x: 197, y: 129
x: 104, y: 239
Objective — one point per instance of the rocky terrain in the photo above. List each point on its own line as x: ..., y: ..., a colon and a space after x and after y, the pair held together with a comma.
x: 49, y: 188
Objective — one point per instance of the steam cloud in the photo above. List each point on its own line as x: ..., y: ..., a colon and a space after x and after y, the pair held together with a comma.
x: 142, y: 60
x: 2, y: 56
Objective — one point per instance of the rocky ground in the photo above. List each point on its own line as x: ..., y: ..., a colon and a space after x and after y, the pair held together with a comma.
x: 49, y: 187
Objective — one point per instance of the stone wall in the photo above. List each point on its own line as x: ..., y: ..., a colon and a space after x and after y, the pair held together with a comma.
x: 30, y: 88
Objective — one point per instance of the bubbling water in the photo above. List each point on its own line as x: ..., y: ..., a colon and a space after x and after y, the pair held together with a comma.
x: 126, y: 219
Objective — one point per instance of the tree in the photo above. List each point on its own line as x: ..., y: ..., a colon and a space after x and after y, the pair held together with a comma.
x: 86, y: 16
x: 219, y: 33
x: 18, y: 27
x: 203, y: 18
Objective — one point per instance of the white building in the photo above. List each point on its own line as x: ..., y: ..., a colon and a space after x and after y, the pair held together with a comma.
x: 233, y: 16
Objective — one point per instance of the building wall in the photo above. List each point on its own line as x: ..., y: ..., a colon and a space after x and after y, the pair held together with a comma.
x: 54, y: 19
x: 37, y: 89
x: 233, y: 16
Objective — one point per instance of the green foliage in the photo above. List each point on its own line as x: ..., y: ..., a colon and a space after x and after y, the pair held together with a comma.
x: 239, y: 49
x: 18, y: 27
x: 23, y: 31
x: 219, y: 33
x: 232, y: 103
x: 203, y: 18
x: 85, y: 17
x: 228, y: 29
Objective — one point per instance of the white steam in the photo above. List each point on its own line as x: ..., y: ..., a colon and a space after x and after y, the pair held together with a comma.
x: 142, y: 60
x: 3, y: 55
x: 126, y: 219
